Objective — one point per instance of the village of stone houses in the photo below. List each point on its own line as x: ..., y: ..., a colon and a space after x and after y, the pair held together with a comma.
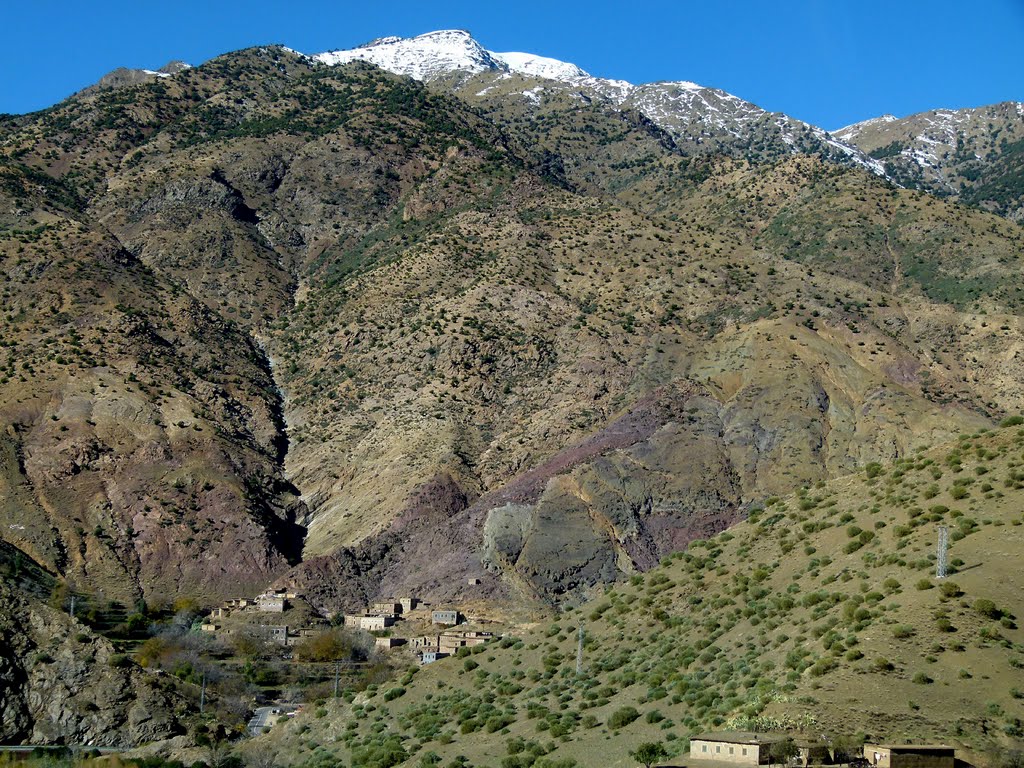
x: 284, y: 618
x: 409, y: 629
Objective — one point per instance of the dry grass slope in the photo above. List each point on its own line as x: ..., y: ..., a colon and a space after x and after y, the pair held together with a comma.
x: 821, y: 612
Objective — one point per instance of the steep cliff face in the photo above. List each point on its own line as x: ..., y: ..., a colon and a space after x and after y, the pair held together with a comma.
x: 63, y: 684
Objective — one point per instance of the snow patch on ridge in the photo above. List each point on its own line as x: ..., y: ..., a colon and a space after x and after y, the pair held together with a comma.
x: 539, y: 66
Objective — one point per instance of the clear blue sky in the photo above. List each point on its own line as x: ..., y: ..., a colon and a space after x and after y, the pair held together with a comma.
x: 824, y: 61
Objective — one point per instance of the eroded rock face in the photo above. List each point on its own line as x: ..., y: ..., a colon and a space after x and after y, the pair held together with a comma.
x: 62, y: 684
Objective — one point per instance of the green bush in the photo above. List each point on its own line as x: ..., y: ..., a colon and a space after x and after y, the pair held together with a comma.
x: 950, y: 589
x: 987, y: 608
x: 622, y: 717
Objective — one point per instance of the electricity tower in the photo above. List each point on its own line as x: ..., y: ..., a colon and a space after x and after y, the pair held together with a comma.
x: 941, y: 563
x: 579, y: 652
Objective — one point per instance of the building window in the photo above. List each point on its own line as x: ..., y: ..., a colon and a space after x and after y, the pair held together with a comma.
x: 704, y: 748
x: 730, y: 750
x: 718, y: 749
x: 744, y: 751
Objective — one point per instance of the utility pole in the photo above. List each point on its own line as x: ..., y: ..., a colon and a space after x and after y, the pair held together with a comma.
x: 202, y: 694
x: 72, y: 606
x: 940, y: 558
x: 579, y: 652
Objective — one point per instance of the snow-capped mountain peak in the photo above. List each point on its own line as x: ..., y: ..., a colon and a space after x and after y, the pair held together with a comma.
x: 439, y: 53
x: 689, y: 112
x: 423, y: 57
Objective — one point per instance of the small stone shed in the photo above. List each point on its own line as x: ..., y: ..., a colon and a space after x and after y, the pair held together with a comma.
x: 910, y: 755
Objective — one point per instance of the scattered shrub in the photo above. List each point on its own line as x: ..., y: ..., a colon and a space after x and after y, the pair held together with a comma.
x: 622, y: 717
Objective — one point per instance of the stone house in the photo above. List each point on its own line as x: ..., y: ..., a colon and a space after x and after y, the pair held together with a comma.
x: 271, y: 602
x: 910, y: 755
x: 424, y: 641
x: 277, y: 634
x: 375, y: 623
x: 387, y: 643
x: 408, y: 604
x: 385, y: 608
x: 739, y: 747
x: 452, y: 641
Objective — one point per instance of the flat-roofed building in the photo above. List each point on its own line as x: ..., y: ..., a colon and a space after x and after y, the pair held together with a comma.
x: 375, y: 623
x: 740, y: 747
x: 270, y: 602
x: 445, y: 617
x: 452, y: 641
x: 408, y: 604
x: 385, y: 608
x: 910, y: 755
x: 424, y: 641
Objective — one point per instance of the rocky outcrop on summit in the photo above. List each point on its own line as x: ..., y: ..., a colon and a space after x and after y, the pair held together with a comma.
x: 123, y: 77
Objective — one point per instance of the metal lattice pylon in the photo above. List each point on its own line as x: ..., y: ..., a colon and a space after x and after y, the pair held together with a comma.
x: 941, y: 563
x: 579, y: 653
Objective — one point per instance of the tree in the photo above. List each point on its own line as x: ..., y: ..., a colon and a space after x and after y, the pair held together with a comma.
x: 649, y: 753
x: 846, y: 747
x: 332, y: 645
x: 782, y: 751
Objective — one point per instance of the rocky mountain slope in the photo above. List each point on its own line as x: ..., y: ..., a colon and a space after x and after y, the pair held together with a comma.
x: 60, y: 683
x: 821, y: 613
x: 974, y: 155
x: 140, y: 451
x: 274, y: 308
